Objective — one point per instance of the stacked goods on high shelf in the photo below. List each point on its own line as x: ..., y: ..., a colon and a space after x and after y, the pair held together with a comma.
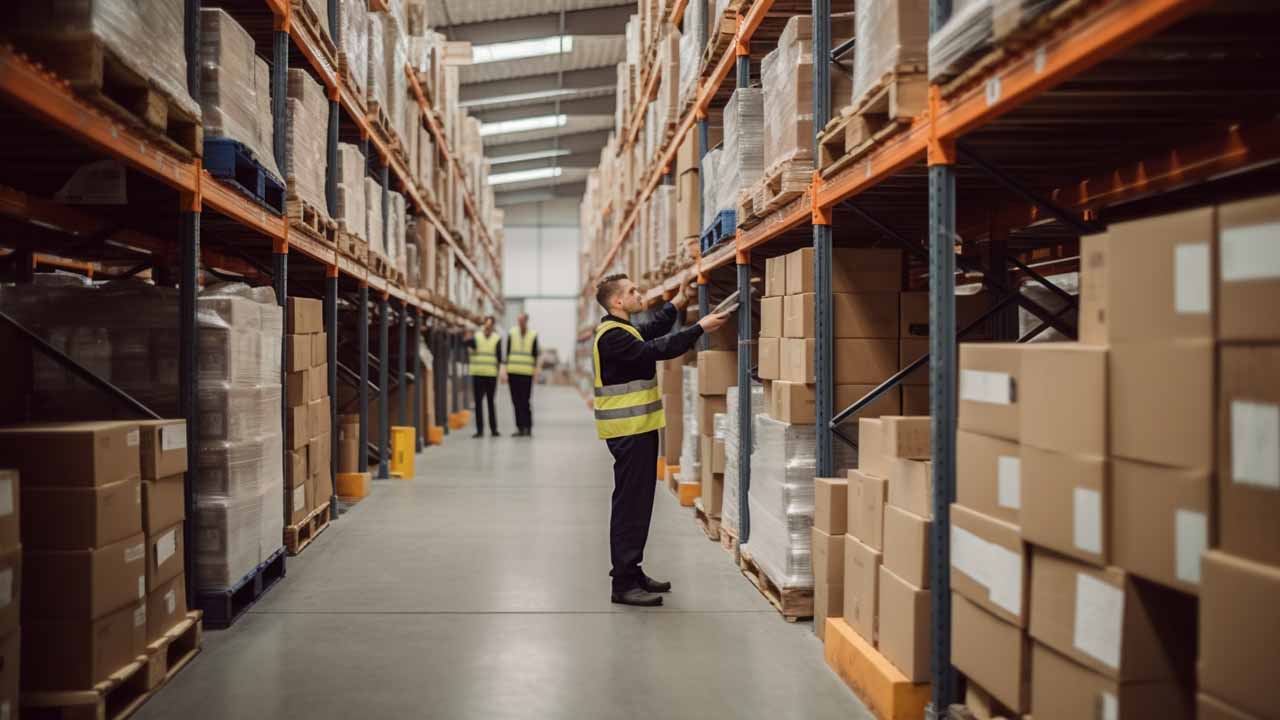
x: 422, y: 244
x: 688, y: 203
x: 732, y: 436
x: 352, y: 214
x: 305, y: 156
x: 353, y: 51
x: 742, y: 161
x: 975, y: 32
x: 308, y: 423
x: 690, y: 41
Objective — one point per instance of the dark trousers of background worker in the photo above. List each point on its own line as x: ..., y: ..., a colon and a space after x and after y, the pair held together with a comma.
x: 635, y: 466
x: 521, y: 390
x: 484, y: 388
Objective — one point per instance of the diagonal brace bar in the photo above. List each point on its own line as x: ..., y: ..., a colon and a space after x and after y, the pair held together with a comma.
x: 1083, y: 227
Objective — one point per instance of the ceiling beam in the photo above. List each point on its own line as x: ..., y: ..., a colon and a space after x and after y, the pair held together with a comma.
x: 594, y: 21
x: 572, y: 160
x: 576, y: 142
x: 603, y: 105
x: 529, y: 195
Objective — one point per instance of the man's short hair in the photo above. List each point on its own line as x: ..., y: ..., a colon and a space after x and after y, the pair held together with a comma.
x: 490, y: 318
x: 608, y: 287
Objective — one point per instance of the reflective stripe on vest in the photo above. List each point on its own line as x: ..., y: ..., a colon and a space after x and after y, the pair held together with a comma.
x: 629, y: 408
x: 484, y: 359
x: 520, y: 360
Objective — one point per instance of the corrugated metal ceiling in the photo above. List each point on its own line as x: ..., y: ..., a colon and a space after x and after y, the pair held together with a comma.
x: 587, y: 52
x: 575, y: 124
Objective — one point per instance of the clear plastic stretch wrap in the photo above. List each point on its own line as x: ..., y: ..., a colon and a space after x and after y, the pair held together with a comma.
x: 691, y: 443
x: 664, y: 220
x: 974, y: 27
x: 306, y: 140
x: 729, y: 509
x: 689, y: 64
x: 711, y: 182
x: 668, y: 100
x: 351, y: 202
x: 395, y: 230
x: 742, y: 162
x: 230, y: 94
x: 353, y: 18
x: 891, y: 35
x: 373, y: 209
x: 787, y: 78
x: 376, y: 60
x: 395, y: 57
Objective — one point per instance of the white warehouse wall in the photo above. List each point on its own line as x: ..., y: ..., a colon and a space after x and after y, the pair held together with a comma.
x: 540, y: 276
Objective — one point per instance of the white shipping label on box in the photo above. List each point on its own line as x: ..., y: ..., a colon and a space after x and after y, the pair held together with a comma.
x: 1255, y: 444
x: 986, y: 386
x: 135, y: 553
x: 1009, y: 481
x: 174, y: 437
x: 969, y: 554
x: 1249, y: 253
x: 1191, y: 537
x: 166, y: 546
x: 6, y: 587
x: 170, y: 601
x: 1108, y: 707
x: 1191, y: 279
x: 140, y: 616
x: 299, y: 498
x: 6, y: 496
x: 1099, y: 618
x: 1005, y: 576
x: 1087, y: 520
x: 133, y: 438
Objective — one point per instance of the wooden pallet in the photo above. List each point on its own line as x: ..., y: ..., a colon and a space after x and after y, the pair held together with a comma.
x: 174, y: 650
x: 728, y: 540
x: 378, y: 263
x: 115, y: 698
x: 352, y: 245
x: 710, y: 524
x: 307, y: 219
x: 223, y: 607
x: 298, y: 537
x: 782, y: 183
x: 745, y: 208
x: 884, y: 110
x: 793, y: 603
x: 882, y: 687
x: 1012, y: 39
x: 113, y: 83
x: 381, y: 123
x: 719, y: 40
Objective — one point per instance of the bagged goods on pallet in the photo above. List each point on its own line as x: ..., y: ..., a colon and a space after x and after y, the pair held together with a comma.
x: 732, y: 437
x: 353, y: 21
x: 351, y: 212
x: 306, y: 140
x: 742, y: 162
x: 891, y: 38
x: 233, y: 90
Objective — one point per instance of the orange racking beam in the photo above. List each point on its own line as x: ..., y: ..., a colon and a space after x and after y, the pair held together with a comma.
x: 897, y: 153
x: 677, y: 11
x: 217, y: 195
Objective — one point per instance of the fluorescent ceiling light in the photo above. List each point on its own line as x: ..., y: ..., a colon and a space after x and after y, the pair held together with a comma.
x: 517, y: 97
x: 541, y: 122
x: 525, y: 175
x: 521, y: 49
x: 521, y: 157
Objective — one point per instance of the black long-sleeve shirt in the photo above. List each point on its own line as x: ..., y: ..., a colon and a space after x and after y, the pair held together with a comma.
x: 623, y: 358
x: 497, y: 350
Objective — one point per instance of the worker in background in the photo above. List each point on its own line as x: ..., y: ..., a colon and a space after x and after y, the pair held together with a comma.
x: 522, y: 371
x: 486, y: 358
x: 628, y: 412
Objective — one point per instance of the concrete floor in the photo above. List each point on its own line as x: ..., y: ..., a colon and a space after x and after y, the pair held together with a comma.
x: 480, y: 590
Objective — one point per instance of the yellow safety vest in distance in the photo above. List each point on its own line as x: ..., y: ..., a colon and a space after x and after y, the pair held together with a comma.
x: 484, y: 359
x: 520, y: 360
x: 630, y: 408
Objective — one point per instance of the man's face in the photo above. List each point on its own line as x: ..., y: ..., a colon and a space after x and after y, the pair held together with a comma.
x: 488, y: 325
x: 629, y: 298
x: 523, y: 320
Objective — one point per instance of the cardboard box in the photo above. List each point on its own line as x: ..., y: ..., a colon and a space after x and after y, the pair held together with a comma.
x: 318, y: 382
x: 297, y: 388
x: 775, y: 276
x: 797, y: 363
x: 1064, y: 398
x: 799, y: 316
x: 10, y: 508
x: 164, y: 556
x: 860, y: 361
x: 906, y: 437
x: 1173, y: 255
x: 1248, y: 274
x: 166, y: 607
x: 319, y: 454
x: 304, y: 316
x: 864, y: 314
x: 915, y: 400
x: 296, y: 432
x: 852, y: 270
x: 906, y: 545
x: 771, y: 317
x: 1066, y: 503
x: 1248, y: 452
x: 1109, y: 622
x: 318, y: 416
x: 911, y: 486
x: 296, y: 470
x: 73, y: 454
x: 1160, y: 522
x: 319, y: 349
x: 989, y: 564
x: 992, y: 653
x: 1061, y: 688
x: 828, y: 557
x: 866, y: 510
x: 831, y: 505
x: 77, y: 654
x: 989, y: 388
x: 671, y: 376
x: 905, y: 629
x: 349, y: 442
x: 295, y: 501
x: 708, y: 406
x: 1238, y: 618
x: 989, y: 476
x: 164, y: 448
x: 688, y: 155
x: 909, y: 350
x: 828, y: 601
x: 163, y: 502
x: 914, y: 318
x: 1092, y: 311
x: 85, y: 584
x: 11, y: 592
x: 796, y: 403
x: 672, y: 434
x: 861, y: 587
x: 297, y: 353
x: 1162, y: 402
x: 872, y: 459
x: 77, y: 518
x: 1211, y: 708
x: 10, y: 663
x: 688, y: 210
x: 770, y: 367
x: 717, y: 371
x: 726, y: 338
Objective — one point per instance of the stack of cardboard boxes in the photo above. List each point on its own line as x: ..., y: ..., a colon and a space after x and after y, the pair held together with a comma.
x: 671, y: 385
x: 717, y: 372
x: 308, y: 436
x: 830, y: 523
x: 688, y: 195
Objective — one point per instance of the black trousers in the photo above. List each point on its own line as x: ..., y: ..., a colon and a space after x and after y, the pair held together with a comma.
x: 635, y: 467
x: 484, y: 388
x: 521, y: 390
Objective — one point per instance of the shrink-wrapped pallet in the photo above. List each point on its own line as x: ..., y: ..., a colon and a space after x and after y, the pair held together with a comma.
x: 426, y: 158
x: 668, y: 100
x: 787, y: 79
x: 742, y: 162
x: 395, y: 230
x: 353, y: 20
x: 306, y: 139
x: 711, y: 186
x: 690, y: 444
x: 352, y: 214
x: 975, y: 26
x: 266, y: 116
x: 373, y: 210
x: 732, y: 437
x: 231, y: 92
x: 690, y: 57
x: 395, y: 57
x: 892, y: 36
x: 376, y: 60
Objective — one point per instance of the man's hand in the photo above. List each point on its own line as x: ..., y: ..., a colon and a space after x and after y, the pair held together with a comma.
x: 713, y: 322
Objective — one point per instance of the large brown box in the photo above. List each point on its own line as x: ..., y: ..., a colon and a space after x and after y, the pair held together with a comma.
x: 78, y: 654
x: 831, y: 505
x: 989, y: 564
x: 989, y: 475
x: 319, y: 349
x: 10, y: 508
x: 317, y: 382
x: 319, y: 454
x: 915, y: 400
x: 861, y: 587
x: 712, y: 453
x: 1066, y: 503
x: 296, y: 470
x: 1064, y: 398
x: 304, y: 316
x: 906, y: 545
x: 854, y: 315
x: 862, y: 361
x: 1248, y: 452
x: 163, y: 502
x: 1061, y: 688
x: 775, y: 276
x: 164, y: 556
x: 914, y: 322
x: 297, y: 353
x: 911, y: 486
x: 85, y: 584
x: 671, y: 376
x: 78, y: 518
x: 717, y: 371
x: 708, y: 406
x: 796, y: 403
x: 991, y: 652
x: 1095, y: 260
x: 297, y: 388
x: 1248, y: 270
x: 1173, y: 256
x: 295, y: 501
x: 11, y: 589
x: 770, y: 366
x: 905, y: 629
x: 688, y: 211
x: 296, y: 432
x: 771, y: 316
x: 1161, y: 402
x: 866, y: 508
x: 166, y: 606
x: 349, y: 443
x: 164, y: 448
x: 1211, y: 708
x: 1160, y: 522
x: 872, y: 458
x: 672, y: 433
x: 318, y: 416
x: 1111, y: 622
x: 688, y: 155
x: 907, y: 437
x: 1238, y: 621
x: 80, y: 454
x: 797, y: 361
x: 990, y: 388
x: 828, y: 601
x: 827, y: 557
x: 852, y: 270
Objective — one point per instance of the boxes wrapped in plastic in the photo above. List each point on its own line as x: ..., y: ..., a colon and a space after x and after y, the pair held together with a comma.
x: 230, y: 470
x: 373, y: 210
x: 711, y: 183
x: 352, y: 216
x: 691, y: 443
x: 306, y: 140
x: 395, y: 230
x: 376, y: 60
x: 786, y: 75
x: 232, y: 91
x: 975, y: 26
x: 395, y: 57
x: 742, y: 162
x: 353, y: 20
x: 729, y: 509
x: 228, y: 539
x: 892, y: 36
x: 690, y: 56
x: 668, y: 100
x: 781, y: 545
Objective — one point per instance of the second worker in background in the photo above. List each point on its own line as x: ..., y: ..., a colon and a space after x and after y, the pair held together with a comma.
x: 486, y: 358
x: 522, y: 372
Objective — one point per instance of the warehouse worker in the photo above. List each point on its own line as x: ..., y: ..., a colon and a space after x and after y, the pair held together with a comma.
x: 628, y: 411
x: 522, y: 371
x: 486, y: 358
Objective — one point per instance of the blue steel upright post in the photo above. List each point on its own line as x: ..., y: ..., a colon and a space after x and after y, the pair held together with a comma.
x: 745, y: 343
x: 362, y: 341
x: 824, y: 395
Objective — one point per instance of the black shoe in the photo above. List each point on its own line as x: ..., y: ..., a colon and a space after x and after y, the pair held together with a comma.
x: 478, y: 435
x: 520, y: 433
x: 495, y: 433
x: 637, y: 596
x: 654, y: 586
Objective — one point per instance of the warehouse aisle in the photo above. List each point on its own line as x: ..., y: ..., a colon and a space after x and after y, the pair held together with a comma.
x: 481, y: 590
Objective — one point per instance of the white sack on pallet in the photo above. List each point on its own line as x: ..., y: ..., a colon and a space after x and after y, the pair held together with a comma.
x: 306, y: 140
x: 232, y: 91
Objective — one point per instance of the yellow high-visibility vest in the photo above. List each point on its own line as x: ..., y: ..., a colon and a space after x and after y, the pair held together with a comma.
x: 484, y: 359
x: 630, y: 408
x: 520, y: 360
